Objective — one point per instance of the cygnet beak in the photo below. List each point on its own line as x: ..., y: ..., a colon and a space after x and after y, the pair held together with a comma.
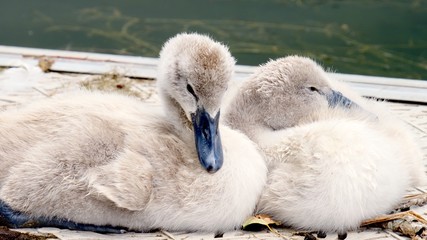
x: 336, y: 98
x: 208, y: 140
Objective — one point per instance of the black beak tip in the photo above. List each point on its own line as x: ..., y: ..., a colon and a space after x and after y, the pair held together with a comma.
x: 210, y: 169
x: 213, y: 168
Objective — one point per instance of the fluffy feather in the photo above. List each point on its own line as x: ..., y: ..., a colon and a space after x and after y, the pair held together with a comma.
x: 106, y: 159
x: 329, y: 167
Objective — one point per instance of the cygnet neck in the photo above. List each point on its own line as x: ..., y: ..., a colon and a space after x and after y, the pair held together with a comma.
x: 176, y: 115
x: 239, y: 119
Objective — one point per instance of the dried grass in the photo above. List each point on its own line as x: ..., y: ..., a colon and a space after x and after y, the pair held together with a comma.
x: 113, y: 82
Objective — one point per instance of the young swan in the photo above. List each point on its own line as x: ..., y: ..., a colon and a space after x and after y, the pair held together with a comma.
x: 333, y: 162
x: 93, y: 159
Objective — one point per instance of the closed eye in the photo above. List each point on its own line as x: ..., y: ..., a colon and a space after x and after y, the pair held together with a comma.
x: 272, y: 128
x: 313, y: 89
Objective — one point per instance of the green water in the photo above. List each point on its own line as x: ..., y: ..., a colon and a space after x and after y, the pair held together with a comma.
x: 383, y: 37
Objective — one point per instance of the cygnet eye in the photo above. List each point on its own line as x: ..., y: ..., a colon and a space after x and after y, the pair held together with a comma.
x: 313, y: 89
x: 191, y: 90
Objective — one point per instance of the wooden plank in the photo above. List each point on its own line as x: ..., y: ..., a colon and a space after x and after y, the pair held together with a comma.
x: 144, y: 67
x: 37, y: 52
x: 76, y: 62
x: 387, y: 88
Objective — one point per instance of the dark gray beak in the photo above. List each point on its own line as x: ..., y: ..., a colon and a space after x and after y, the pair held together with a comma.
x: 208, y: 140
x: 336, y: 99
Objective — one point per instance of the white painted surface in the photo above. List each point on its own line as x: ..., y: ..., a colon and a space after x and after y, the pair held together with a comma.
x: 144, y: 67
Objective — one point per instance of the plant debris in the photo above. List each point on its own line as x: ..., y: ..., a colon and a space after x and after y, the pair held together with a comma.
x: 45, y: 63
x: 306, y: 235
x: 258, y: 222
x: 413, y: 200
x: 7, y: 234
x: 407, y: 223
x: 113, y: 82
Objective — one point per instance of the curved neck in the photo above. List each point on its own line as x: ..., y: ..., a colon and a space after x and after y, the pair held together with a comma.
x: 177, y: 117
x: 240, y: 119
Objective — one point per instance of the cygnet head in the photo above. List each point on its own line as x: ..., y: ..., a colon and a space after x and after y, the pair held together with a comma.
x: 281, y: 94
x: 193, y: 75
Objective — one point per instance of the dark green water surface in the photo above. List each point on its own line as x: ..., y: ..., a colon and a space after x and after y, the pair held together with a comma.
x: 383, y: 37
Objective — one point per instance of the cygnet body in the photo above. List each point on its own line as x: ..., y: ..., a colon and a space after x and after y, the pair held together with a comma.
x: 333, y: 162
x: 107, y: 159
